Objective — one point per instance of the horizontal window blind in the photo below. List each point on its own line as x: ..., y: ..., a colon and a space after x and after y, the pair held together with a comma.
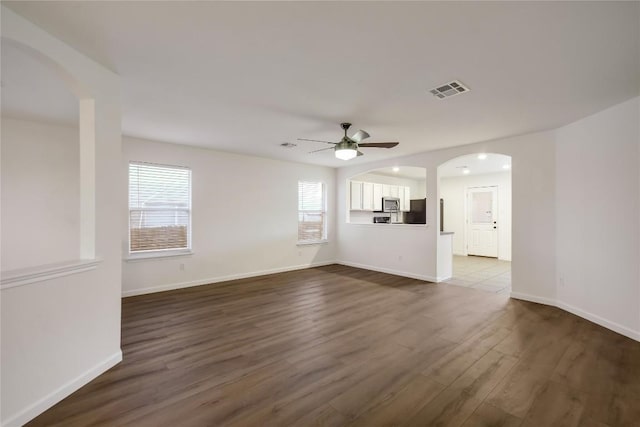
x: 312, y: 216
x: 159, y: 207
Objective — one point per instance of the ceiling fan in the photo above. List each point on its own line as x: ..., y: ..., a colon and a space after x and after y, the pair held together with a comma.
x: 348, y: 147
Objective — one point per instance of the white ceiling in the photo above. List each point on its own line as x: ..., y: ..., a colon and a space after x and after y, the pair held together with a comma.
x: 408, y: 172
x: 247, y: 76
x: 476, y: 166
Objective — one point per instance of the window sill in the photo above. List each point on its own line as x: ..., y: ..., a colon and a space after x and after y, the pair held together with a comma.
x: 315, y: 242
x: 25, y: 276
x: 147, y: 256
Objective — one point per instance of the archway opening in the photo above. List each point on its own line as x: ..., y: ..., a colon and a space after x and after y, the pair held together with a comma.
x: 475, y: 205
x: 48, y: 162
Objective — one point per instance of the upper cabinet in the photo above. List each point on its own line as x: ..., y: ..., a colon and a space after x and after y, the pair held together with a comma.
x: 405, y: 199
x: 356, y: 196
x: 364, y: 192
x: 367, y: 196
x: 377, y: 197
x: 394, y: 191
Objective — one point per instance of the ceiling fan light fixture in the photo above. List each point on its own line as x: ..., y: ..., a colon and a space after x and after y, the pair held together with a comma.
x: 346, y: 153
x: 346, y: 150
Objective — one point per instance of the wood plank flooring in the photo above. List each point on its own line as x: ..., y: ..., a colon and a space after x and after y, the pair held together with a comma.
x: 339, y: 346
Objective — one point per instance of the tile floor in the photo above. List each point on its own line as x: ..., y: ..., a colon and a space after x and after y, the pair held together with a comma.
x: 487, y: 274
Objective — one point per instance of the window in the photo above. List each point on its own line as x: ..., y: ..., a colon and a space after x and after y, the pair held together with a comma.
x: 312, y: 212
x: 159, y: 207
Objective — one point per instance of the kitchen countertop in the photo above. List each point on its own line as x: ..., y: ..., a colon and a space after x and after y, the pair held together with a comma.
x: 400, y: 224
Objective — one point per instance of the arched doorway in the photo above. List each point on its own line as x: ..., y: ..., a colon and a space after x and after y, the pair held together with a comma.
x: 40, y: 162
x: 475, y: 205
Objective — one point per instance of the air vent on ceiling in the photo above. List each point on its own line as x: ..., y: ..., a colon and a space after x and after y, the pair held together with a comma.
x: 449, y: 89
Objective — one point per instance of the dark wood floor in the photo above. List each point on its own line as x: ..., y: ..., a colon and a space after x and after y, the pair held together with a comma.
x: 337, y: 346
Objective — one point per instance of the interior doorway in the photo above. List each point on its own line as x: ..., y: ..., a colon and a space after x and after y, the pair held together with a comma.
x: 475, y: 192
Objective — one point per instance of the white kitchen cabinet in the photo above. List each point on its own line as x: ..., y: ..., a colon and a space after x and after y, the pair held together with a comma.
x: 386, y: 190
x: 367, y: 196
x: 377, y: 197
x: 405, y: 199
x: 356, y: 196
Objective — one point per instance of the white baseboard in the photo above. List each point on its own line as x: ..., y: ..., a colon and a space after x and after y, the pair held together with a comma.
x: 616, y: 327
x: 35, y: 409
x: 533, y: 298
x: 391, y: 271
x: 211, y: 280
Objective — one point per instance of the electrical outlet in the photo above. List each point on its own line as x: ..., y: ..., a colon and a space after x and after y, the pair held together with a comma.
x: 399, y: 257
x: 561, y: 281
x: 181, y: 266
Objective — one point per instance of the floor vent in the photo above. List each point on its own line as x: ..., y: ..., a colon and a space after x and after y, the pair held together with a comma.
x: 449, y: 89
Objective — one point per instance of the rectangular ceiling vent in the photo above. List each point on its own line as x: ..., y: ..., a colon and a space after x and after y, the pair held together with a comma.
x: 449, y: 89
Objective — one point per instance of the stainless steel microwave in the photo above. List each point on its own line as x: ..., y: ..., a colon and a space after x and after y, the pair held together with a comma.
x: 390, y: 204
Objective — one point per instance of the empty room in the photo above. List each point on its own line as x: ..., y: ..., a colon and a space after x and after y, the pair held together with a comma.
x: 330, y: 213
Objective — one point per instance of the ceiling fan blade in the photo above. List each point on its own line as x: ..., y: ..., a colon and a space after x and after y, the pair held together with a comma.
x: 379, y: 144
x: 360, y: 153
x: 315, y: 140
x: 322, y: 149
x: 360, y: 135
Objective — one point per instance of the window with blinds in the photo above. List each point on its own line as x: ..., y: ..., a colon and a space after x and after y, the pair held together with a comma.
x: 312, y: 215
x: 159, y: 207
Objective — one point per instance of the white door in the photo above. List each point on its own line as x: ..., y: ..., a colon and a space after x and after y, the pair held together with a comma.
x: 482, y: 221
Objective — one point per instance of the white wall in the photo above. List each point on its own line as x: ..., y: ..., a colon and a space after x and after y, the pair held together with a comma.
x: 598, y: 216
x: 244, y: 218
x: 454, y: 192
x: 40, y: 177
x: 59, y: 333
x: 412, y: 252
